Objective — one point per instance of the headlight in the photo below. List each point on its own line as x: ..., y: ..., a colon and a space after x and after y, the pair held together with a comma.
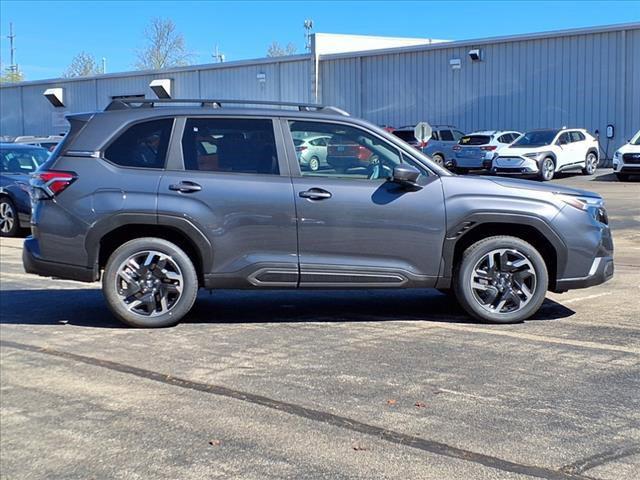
x: 531, y: 155
x: 594, y: 206
x: 617, y: 155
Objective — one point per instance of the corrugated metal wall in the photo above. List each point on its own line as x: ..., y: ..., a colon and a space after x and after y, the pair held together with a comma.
x: 284, y: 79
x: 584, y: 80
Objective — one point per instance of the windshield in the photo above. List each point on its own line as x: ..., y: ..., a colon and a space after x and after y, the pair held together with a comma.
x: 636, y: 140
x: 22, y: 160
x: 536, y: 138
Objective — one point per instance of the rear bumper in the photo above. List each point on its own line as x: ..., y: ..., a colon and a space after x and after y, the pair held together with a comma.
x: 33, y: 263
x: 601, y: 271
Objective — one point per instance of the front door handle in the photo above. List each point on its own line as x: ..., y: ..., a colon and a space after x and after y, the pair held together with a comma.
x: 315, y: 194
x: 185, y: 187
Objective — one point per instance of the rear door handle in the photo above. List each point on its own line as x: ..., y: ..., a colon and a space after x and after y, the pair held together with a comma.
x: 315, y: 194
x: 185, y: 187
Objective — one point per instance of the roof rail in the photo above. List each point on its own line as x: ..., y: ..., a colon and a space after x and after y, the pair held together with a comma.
x: 133, y: 102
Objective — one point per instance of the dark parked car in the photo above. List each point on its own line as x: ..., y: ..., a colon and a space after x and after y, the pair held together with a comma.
x: 17, y: 162
x: 125, y: 198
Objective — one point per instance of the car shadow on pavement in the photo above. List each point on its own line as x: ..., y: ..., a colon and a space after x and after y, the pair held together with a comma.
x: 611, y: 177
x: 87, y: 308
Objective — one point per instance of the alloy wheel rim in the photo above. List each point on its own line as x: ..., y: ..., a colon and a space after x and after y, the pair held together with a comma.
x: 503, y: 281
x: 591, y: 163
x: 149, y: 283
x: 313, y: 164
x: 548, y: 169
x: 7, y: 217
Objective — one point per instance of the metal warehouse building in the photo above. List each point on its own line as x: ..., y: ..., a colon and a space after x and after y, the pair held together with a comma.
x: 583, y: 78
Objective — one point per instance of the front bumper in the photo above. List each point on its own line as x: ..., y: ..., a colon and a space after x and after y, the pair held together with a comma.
x: 33, y: 263
x: 515, y: 166
x: 601, y: 271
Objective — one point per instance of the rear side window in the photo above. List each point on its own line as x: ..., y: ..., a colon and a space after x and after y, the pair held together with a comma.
x: 241, y: 146
x: 446, y: 136
x: 475, y: 140
x: 577, y: 136
x: 143, y: 145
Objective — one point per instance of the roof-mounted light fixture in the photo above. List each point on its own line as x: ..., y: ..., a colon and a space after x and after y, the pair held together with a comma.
x: 162, y: 87
x: 55, y: 96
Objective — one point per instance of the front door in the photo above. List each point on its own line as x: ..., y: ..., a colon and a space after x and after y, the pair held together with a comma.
x: 356, y: 228
x: 232, y: 182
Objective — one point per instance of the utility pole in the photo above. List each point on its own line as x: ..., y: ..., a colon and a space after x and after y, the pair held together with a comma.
x: 308, y: 26
x: 13, y: 68
x: 218, y: 57
x: 104, y: 65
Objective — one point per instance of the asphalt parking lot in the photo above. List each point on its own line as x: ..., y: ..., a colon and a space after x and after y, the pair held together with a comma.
x: 373, y: 384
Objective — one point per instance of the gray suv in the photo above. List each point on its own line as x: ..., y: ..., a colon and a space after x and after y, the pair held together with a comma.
x: 159, y: 198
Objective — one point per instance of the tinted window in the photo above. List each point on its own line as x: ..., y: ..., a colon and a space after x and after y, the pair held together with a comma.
x: 143, y: 145
x: 446, y: 135
x: 475, y: 140
x: 536, y: 138
x: 351, y: 152
x: 241, y: 145
x: 564, y: 139
x: 406, y: 135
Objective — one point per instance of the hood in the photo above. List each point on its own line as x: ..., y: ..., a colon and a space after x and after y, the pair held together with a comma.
x: 629, y: 148
x: 540, y: 187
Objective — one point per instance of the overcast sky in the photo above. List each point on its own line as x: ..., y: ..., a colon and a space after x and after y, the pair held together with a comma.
x: 49, y: 34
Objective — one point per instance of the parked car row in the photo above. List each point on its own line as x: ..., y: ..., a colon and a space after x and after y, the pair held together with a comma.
x: 541, y: 153
x: 48, y: 142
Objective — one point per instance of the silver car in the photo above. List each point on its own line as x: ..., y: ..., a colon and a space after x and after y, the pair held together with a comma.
x: 476, y: 151
x: 312, y: 151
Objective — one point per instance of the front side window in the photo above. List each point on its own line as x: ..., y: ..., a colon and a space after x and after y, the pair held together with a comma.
x: 577, y: 136
x: 230, y: 145
x: 350, y: 152
x: 143, y: 145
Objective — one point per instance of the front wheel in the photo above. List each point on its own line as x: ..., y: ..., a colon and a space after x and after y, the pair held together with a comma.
x: 590, y: 164
x: 501, y: 279
x: 547, y: 169
x: 149, y: 283
x: 314, y: 164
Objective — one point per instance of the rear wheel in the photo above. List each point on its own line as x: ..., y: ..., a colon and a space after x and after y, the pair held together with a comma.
x: 590, y: 164
x: 9, y: 224
x: 439, y: 159
x: 314, y: 164
x: 623, y: 177
x: 547, y: 169
x: 501, y: 279
x: 149, y: 283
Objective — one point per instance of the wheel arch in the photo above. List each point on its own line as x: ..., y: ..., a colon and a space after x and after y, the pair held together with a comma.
x: 528, y: 228
x: 110, y: 233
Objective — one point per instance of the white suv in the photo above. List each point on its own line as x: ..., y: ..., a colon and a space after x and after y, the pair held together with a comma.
x: 626, y: 160
x: 545, y: 152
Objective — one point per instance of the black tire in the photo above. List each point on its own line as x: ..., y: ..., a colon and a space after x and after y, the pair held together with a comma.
x: 314, y: 164
x: 439, y: 159
x: 623, y: 177
x: 546, y: 173
x: 176, y: 260
x: 9, y: 221
x: 467, y: 267
x: 590, y: 164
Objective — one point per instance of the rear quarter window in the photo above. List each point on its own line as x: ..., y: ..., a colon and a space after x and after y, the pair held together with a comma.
x: 143, y: 145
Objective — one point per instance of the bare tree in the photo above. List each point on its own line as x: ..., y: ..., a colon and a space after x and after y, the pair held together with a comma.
x: 82, y: 65
x: 165, y: 47
x: 276, y: 50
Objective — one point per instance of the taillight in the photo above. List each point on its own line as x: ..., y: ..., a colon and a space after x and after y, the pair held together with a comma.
x: 301, y: 149
x: 52, y: 182
x: 488, y: 148
x: 363, y: 153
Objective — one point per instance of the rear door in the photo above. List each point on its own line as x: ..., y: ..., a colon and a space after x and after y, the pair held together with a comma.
x: 355, y: 228
x: 230, y: 179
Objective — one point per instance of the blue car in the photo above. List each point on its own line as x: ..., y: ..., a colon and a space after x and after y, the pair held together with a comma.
x: 17, y: 162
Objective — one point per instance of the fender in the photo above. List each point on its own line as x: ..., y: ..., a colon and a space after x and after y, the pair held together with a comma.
x: 184, y: 226
x: 473, y: 221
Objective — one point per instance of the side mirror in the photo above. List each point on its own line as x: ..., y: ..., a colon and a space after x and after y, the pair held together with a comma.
x: 406, y: 175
